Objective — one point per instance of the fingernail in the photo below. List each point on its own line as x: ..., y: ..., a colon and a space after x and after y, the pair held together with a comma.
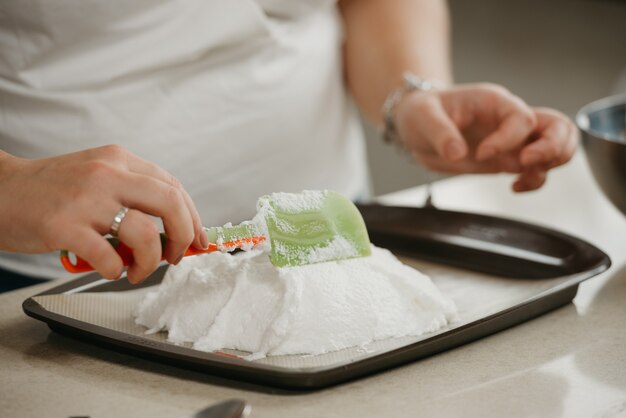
x: 519, y: 186
x: 204, y: 239
x: 454, y: 150
x: 485, y: 153
x: 119, y: 276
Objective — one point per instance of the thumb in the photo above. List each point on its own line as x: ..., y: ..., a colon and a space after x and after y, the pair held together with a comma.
x: 433, y: 123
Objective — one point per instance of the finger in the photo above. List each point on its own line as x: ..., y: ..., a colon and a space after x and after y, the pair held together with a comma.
x: 140, y: 233
x: 530, y: 180
x: 147, y: 168
x: 570, y: 146
x: 201, y: 239
x: 508, y: 163
x: 435, y: 163
x: 433, y: 123
x: 126, y: 160
x: 551, y: 144
x: 94, y: 249
x: 517, y: 122
x: 167, y: 202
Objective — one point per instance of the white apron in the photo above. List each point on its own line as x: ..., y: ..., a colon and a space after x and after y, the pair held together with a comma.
x: 236, y: 98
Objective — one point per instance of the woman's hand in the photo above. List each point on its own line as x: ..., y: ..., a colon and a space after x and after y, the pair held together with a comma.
x: 483, y: 128
x: 69, y: 202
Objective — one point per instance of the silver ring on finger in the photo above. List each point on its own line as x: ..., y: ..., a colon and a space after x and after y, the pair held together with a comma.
x: 117, y: 221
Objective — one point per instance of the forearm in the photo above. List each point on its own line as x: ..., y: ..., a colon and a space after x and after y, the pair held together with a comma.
x: 9, y: 168
x: 7, y: 163
x: 385, y: 38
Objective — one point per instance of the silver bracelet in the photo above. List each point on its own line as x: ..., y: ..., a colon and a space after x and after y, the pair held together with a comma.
x: 411, y: 83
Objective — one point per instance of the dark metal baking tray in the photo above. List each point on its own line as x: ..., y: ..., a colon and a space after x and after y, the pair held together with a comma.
x: 502, y: 248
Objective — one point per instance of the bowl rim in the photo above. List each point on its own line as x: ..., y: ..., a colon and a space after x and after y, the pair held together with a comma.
x: 582, y: 116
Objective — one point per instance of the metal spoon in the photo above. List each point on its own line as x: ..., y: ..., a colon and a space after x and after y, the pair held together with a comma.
x: 232, y: 408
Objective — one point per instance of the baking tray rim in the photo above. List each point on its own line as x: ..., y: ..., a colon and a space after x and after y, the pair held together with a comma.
x: 321, y: 376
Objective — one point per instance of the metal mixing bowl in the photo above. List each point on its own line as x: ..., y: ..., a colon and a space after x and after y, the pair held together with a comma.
x: 603, y: 127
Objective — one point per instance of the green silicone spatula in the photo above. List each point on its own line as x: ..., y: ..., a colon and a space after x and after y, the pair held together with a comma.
x: 296, y: 229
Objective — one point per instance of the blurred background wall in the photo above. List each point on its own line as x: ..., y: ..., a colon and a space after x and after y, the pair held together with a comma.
x: 557, y: 53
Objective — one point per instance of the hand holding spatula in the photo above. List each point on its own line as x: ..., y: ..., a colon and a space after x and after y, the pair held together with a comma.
x: 296, y: 228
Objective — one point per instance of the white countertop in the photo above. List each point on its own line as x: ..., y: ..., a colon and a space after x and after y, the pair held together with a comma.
x: 570, y: 362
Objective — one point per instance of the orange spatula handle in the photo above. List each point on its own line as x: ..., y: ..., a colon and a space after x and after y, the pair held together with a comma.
x: 126, y: 253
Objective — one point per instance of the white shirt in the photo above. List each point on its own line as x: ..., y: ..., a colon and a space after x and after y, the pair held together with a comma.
x: 236, y: 98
